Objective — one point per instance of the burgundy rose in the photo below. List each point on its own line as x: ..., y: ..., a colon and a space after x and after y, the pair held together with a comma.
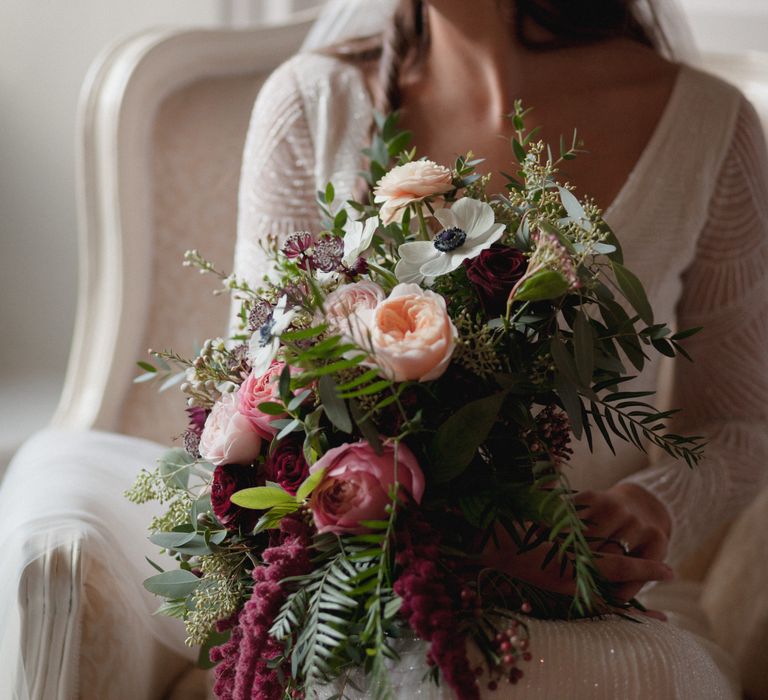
x: 494, y: 273
x: 227, y: 479
x: 286, y: 465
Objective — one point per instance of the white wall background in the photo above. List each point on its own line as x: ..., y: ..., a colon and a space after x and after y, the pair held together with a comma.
x: 46, y: 47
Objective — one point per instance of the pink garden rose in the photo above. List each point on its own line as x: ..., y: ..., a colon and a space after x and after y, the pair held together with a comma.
x: 258, y: 389
x: 357, y: 482
x: 348, y: 310
x: 228, y: 436
x: 412, y: 335
x: 408, y: 183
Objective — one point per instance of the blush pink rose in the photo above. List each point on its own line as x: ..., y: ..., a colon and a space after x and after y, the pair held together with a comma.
x: 348, y: 310
x: 357, y: 482
x: 412, y: 335
x: 258, y: 389
x: 408, y: 183
x: 228, y: 436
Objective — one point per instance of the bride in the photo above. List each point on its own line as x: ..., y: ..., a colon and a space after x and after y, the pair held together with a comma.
x: 677, y: 163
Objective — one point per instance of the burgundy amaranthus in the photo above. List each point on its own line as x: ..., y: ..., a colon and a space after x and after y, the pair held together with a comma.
x: 243, y: 672
x: 430, y: 603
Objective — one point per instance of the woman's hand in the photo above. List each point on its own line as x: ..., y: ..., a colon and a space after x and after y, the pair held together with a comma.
x: 631, y: 531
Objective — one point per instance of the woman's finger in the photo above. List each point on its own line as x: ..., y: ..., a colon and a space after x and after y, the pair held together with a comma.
x: 619, y: 568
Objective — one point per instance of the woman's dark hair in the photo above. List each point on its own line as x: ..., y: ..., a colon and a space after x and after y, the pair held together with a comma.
x: 565, y: 23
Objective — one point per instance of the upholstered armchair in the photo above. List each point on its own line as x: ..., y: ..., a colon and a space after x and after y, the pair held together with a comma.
x: 163, y: 121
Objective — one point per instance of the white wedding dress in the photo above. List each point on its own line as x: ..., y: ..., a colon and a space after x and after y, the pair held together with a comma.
x: 693, y: 221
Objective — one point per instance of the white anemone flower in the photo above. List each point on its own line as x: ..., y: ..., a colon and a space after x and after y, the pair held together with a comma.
x: 265, y: 342
x: 358, y: 236
x: 469, y: 228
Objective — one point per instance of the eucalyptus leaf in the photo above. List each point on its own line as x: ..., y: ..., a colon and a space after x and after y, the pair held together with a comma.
x: 174, y: 466
x: 172, y: 584
x: 171, y: 540
x: 335, y: 407
x: 572, y: 206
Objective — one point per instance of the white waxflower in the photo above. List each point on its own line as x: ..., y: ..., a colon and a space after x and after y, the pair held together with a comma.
x: 468, y: 229
x: 265, y: 342
x: 357, y: 239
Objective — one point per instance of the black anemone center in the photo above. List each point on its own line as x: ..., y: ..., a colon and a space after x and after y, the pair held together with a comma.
x: 450, y: 239
x: 265, y: 332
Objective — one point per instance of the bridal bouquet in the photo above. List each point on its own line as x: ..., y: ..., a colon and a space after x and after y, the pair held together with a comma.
x: 402, y: 391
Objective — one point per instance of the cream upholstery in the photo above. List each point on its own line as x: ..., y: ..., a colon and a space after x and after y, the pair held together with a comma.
x: 163, y: 125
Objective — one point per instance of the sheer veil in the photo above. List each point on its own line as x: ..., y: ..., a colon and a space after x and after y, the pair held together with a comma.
x: 341, y: 20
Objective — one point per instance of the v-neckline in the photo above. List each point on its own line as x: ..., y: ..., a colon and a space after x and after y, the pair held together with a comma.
x: 646, y: 157
x: 657, y: 137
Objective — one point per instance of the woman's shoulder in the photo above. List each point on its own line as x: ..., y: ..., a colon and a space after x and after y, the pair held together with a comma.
x: 309, y: 74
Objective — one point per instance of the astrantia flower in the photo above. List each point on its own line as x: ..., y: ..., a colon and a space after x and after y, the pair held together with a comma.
x: 468, y: 229
x: 265, y: 342
x: 357, y: 239
x: 408, y: 183
x: 328, y: 253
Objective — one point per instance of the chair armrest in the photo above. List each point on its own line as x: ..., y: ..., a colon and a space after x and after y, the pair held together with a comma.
x: 75, y: 549
x: 735, y: 596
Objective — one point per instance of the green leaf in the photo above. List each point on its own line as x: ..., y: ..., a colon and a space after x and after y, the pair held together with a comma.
x: 458, y: 438
x: 305, y: 333
x: 261, y: 497
x: 171, y: 540
x: 399, y: 143
x: 287, y: 429
x: 518, y: 150
x: 214, y: 639
x: 174, y: 467
x: 572, y: 205
x: 564, y: 361
x: 633, y: 290
x: 583, y: 345
x: 334, y: 406
x: 541, y: 285
x: 571, y: 403
x: 146, y: 366
x: 172, y: 584
x: 271, y: 408
x: 329, y: 193
x: 284, y: 384
x: 309, y: 484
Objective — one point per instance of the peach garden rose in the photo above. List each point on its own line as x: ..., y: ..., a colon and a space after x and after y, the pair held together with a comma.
x: 408, y: 183
x: 412, y: 335
x: 357, y: 482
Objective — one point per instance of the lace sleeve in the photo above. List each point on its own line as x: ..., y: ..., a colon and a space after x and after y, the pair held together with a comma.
x: 277, y: 187
x: 723, y: 393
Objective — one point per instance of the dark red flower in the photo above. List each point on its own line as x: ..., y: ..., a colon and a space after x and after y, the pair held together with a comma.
x: 287, y: 466
x: 494, y: 273
x: 227, y: 479
x: 197, y: 416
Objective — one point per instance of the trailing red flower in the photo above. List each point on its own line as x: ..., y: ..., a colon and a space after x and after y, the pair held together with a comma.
x: 431, y: 603
x: 243, y: 671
